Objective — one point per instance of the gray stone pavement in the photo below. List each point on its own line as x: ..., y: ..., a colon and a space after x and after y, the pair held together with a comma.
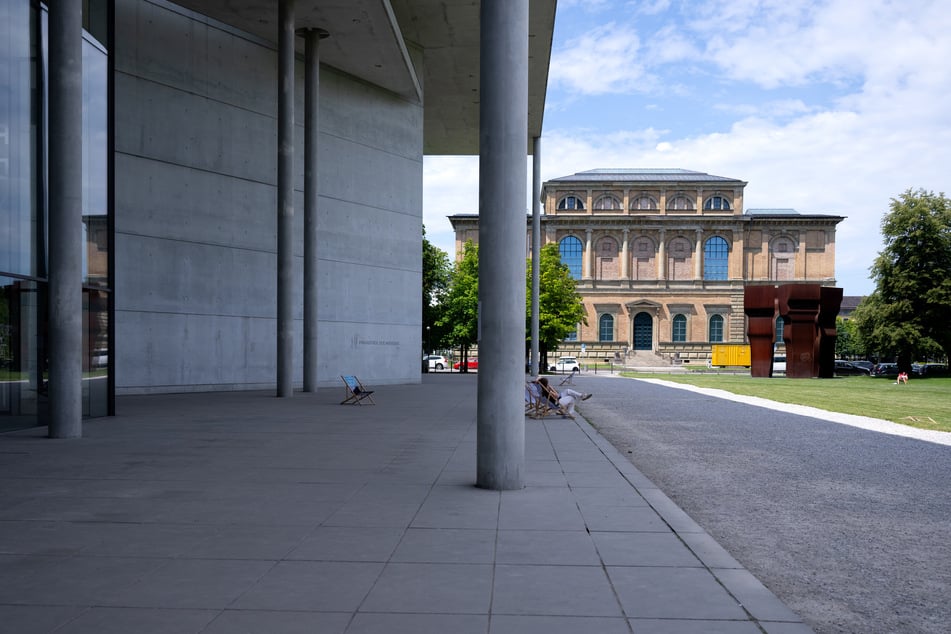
x: 240, y: 512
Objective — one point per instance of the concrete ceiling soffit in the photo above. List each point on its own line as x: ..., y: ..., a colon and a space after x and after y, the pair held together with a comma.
x: 447, y: 31
x: 365, y: 40
x: 372, y: 40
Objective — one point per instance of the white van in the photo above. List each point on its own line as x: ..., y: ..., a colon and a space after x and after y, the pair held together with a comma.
x: 779, y: 365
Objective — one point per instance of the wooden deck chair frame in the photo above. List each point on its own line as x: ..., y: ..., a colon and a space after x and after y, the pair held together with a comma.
x: 568, y: 379
x: 541, y: 406
x: 356, y: 391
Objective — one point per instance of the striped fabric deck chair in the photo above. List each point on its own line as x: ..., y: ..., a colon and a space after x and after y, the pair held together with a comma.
x: 356, y: 392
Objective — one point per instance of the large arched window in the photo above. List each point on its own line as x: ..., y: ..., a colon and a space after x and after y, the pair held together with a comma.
x: 716, y: 203
x: 679, y: 328
x: 716, y: 257
x: 607, y: 202
x: 679, y: 202
x: 716, y: 328
x: 571, y: 252
x: 571, y: 203
x: 606, y: 328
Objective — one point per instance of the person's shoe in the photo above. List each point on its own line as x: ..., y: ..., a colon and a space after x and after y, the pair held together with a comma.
x: 585, y: 397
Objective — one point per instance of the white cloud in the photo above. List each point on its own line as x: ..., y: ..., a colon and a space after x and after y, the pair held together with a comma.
x: 600, y: 61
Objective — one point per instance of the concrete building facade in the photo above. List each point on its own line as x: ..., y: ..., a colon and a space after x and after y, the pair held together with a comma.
x: 204, y: 168
x: 661, y: 257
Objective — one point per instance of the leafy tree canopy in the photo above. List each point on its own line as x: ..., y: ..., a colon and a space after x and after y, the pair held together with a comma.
x: 908, y: 313
x: 460, y: 312
x: 437, y: 276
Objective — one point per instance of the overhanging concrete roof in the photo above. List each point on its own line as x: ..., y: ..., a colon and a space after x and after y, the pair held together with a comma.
x: 375, y: 40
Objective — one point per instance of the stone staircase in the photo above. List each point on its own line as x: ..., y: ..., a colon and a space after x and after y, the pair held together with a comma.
x: 645, y: 359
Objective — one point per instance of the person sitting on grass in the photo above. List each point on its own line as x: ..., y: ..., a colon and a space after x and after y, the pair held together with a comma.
x: 566, y: 399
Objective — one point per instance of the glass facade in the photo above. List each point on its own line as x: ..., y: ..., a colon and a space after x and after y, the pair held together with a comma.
x: 24, y: 359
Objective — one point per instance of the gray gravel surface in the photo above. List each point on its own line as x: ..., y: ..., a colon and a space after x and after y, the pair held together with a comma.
x: 850, y: 528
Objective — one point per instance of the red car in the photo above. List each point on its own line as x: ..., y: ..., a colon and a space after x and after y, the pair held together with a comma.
x: 472, y: 364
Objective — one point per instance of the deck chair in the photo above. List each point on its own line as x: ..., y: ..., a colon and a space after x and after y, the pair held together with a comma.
x: 356, y: 392
x: 540, y: 405
x: 568, y: 379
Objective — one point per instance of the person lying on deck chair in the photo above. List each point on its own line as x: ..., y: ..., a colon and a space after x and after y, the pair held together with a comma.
x: 566, y: 399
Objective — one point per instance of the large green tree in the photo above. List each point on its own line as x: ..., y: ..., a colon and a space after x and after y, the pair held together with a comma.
x: 460, y: 314
x: 560, y: 308
x: 437, y: 276
x: 908, y: 313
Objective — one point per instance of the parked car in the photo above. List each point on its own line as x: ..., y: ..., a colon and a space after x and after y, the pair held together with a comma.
x: 885, y: 369
x: 779, y: 365
x: 868, y: 365
x: 847, y: 368
x: 929, y: 369
x: 472, y: 364
x: 436, y: 361
x: 566, y: 364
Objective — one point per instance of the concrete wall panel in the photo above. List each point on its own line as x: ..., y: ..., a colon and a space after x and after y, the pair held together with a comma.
x: 183, y: 128
x: 177, y: 48
x: 196, y: 213
x: 179, y: 203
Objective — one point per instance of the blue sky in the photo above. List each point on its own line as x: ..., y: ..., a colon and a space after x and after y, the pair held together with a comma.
x: 831, y: 107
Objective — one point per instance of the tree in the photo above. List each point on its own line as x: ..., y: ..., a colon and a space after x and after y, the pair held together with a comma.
x: 908, y: 313
x: 460, y: 313
x: 848, y: 342
x: 437, y: 275
x: 560, y: 307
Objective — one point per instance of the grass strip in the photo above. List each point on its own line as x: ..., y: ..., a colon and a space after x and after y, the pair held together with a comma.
x: 923, y: 403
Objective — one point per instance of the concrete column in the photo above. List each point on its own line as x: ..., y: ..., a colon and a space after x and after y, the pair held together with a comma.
x: 312, y: 39
x: 536, y: 247
x: 65, y: 219
x: 285, y: 199
x: 625, y: 256
x: 503, y: 135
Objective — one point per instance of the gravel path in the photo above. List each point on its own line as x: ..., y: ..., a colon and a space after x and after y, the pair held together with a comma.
x: 849, y: 527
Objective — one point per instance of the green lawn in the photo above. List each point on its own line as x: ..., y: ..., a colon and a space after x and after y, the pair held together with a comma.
x: 924, y: 403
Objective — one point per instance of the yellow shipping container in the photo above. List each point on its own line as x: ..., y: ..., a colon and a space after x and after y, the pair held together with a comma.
x: 731, y: 354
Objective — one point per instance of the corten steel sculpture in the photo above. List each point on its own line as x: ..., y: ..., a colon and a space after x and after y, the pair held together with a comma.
x: 830, y: 299
x: 759, y: 304
x: 799, y: 308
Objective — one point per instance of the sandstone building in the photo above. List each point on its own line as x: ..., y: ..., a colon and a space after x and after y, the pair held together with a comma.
x: 662, y: 255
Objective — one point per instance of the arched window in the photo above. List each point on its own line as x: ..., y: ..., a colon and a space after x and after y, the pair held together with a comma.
x: 607, y: 202
x: 571, y: 203
x: 779, y: 329
x: 679, y: 329
x: 716, y: 258
x: 571, y: 251
x: 606, y: 328
x: 716, y: 203
x: 679, y: 202
x: 716, y: 328
x: 643, y: 202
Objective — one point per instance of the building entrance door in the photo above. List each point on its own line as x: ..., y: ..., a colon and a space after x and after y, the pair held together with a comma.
x: 643, y: 332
